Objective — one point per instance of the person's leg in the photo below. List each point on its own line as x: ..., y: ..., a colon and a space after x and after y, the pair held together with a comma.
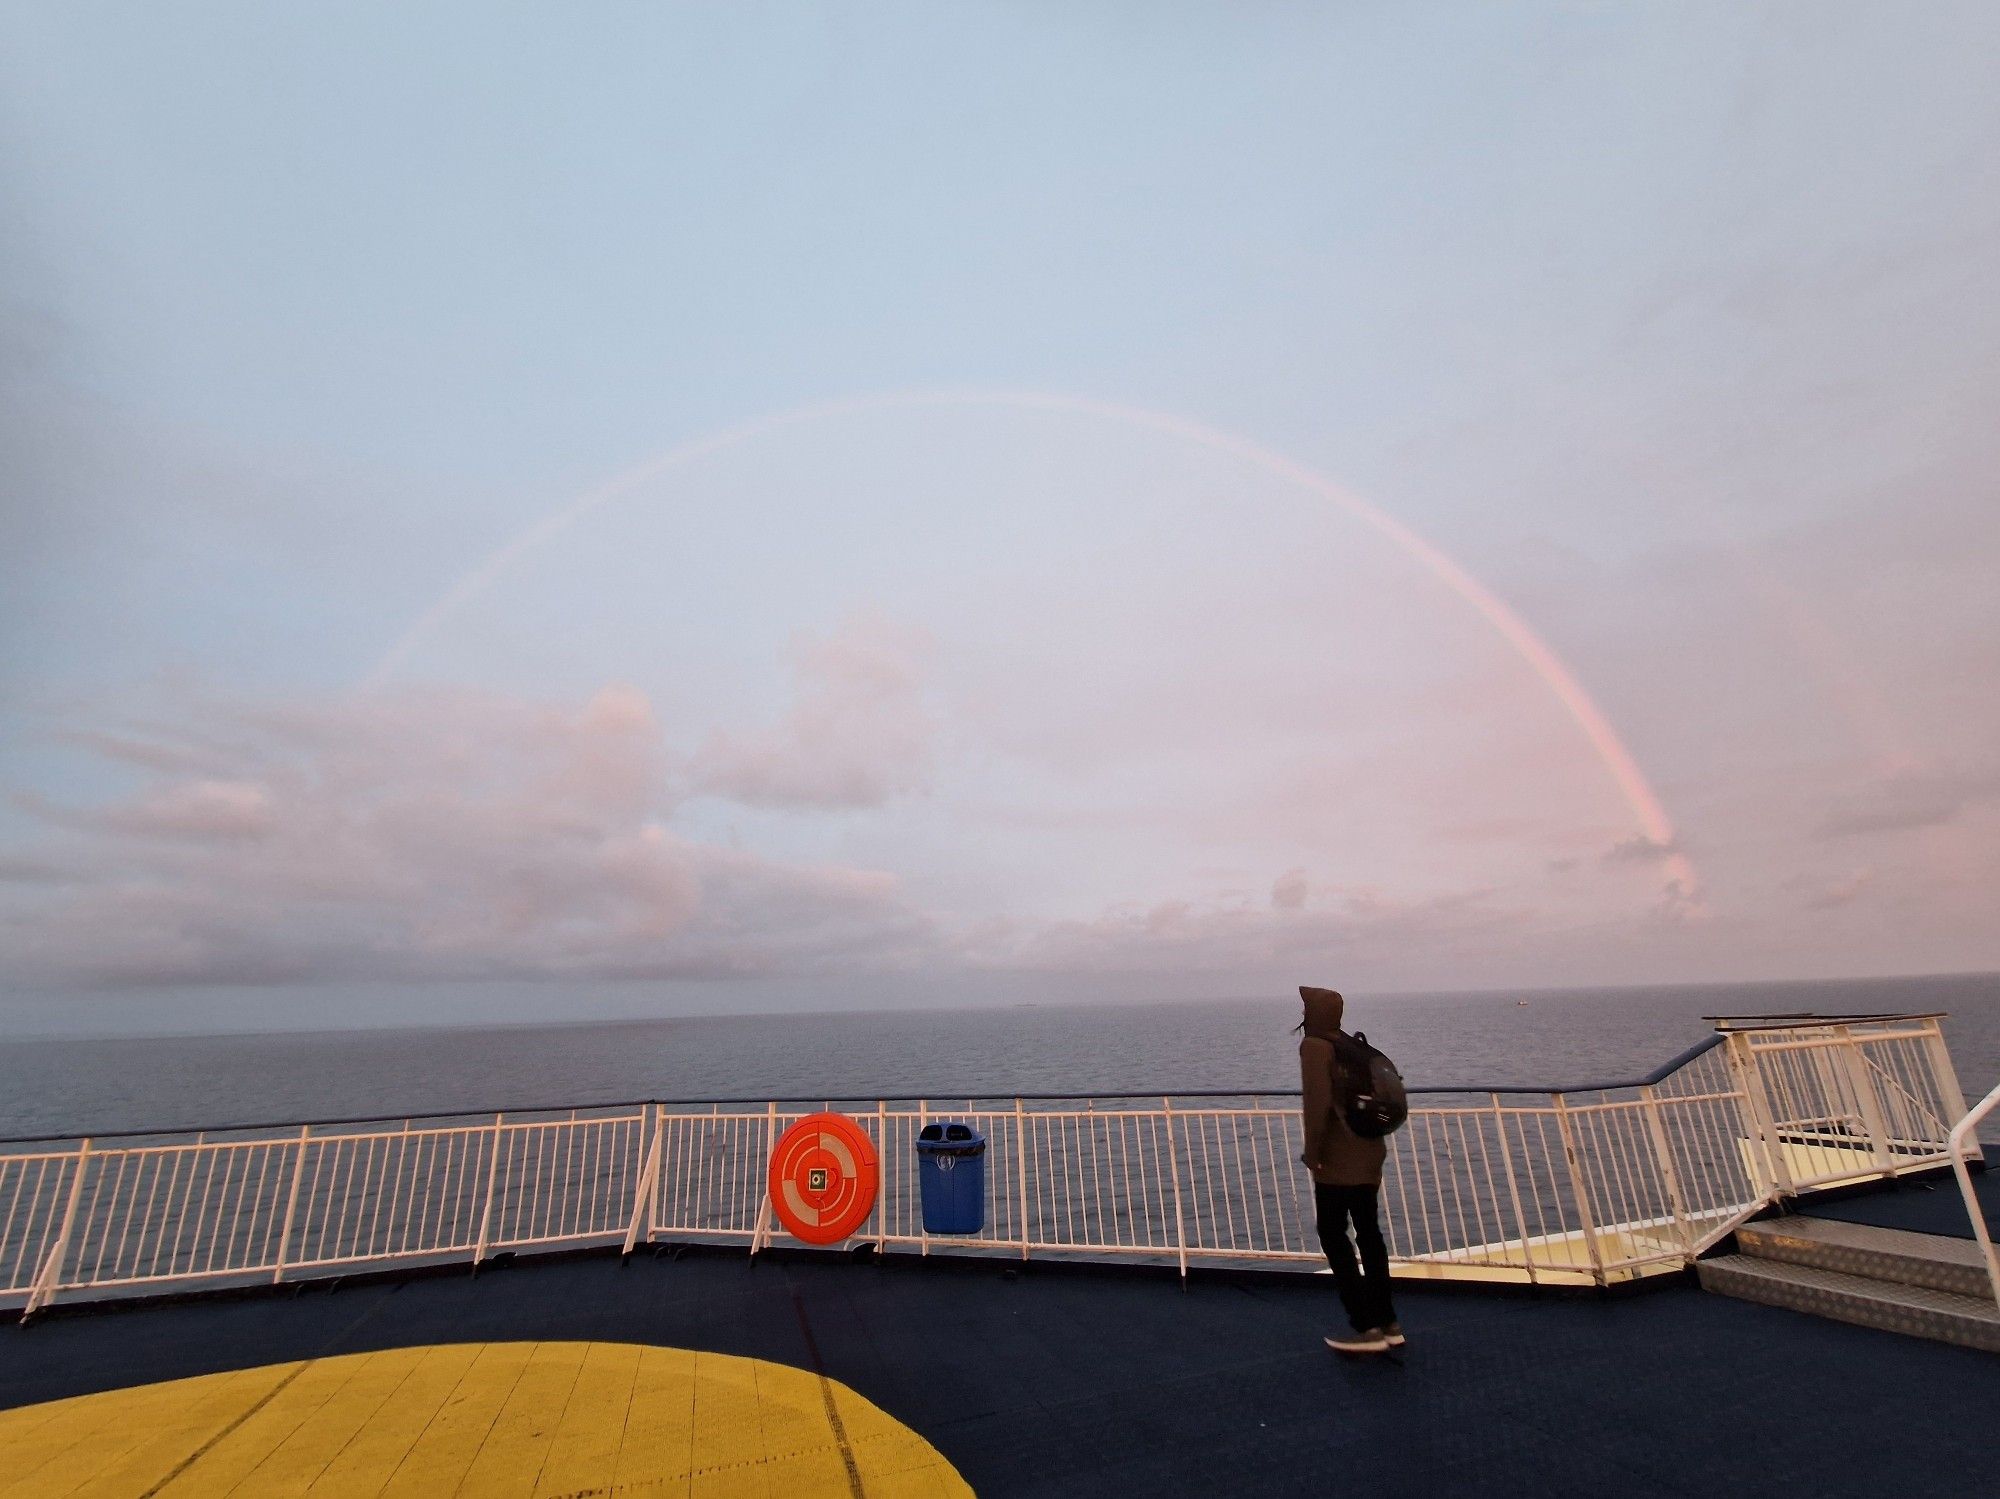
x: 1331, y: 1206
x: 1375, y: 1297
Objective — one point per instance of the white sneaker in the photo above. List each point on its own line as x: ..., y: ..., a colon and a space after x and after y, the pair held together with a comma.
x: 1392, y: 1334
x: 1358, y: 1342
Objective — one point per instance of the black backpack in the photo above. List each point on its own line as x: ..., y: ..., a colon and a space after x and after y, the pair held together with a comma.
x: 1377, y: 1103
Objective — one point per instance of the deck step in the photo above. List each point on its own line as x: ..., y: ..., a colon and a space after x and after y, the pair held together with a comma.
x: 1932, y: 1261
x: 1972, y: 1321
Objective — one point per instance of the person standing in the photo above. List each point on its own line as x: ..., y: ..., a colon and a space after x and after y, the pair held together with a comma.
x: 1347, y: 1183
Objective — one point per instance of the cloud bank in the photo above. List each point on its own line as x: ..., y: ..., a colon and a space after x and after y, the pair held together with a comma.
x: 419, y: 834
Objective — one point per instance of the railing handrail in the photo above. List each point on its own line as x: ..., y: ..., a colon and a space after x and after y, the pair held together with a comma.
x: 291, y: 1126
x: 1806, y: 1018
x: 1956, y: 1145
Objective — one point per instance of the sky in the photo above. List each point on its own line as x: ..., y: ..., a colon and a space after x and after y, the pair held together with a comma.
x: 527, y: 513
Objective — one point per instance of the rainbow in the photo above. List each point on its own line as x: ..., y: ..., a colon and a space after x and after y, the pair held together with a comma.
x: 1624, y: 771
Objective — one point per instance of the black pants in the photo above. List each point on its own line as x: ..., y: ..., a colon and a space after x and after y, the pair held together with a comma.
x: 1364, y: 1287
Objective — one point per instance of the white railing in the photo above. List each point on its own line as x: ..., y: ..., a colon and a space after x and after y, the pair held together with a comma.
x: 1963, y: 1146
x: 1578, y: 1185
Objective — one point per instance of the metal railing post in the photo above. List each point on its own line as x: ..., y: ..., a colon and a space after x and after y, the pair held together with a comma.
x: 1670, y: 1175
x: 49, y: 1276
x: 762, y: 1228
x: 923, y: 1237
x: 1580, y: 1189
x: 642, y: 1194
x: 486, y: 1212
x: 1855, y: 1066
x: 1174, y: 1172
x: 1760, y: 1134
x: 1513, y: 1189
x: 1962, y: 1144
x: 881, y: 1155
x: 1944, y: 1075
x: 1021, y: 1169
x: 292, y: 1199
x: 658, y: 1176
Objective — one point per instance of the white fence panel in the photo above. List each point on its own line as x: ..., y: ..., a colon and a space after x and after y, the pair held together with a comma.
x: 1577, y: 1185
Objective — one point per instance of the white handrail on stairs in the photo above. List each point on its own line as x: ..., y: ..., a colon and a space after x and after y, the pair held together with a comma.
x: 1960, y: 1146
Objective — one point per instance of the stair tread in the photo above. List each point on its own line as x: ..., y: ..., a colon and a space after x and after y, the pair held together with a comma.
x: 1839, y: 1282
x: 1834, y: 1233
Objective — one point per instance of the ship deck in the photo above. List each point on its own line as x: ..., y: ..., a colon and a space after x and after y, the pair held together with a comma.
x: 1926, y: 1204
x: 1038, y: 1381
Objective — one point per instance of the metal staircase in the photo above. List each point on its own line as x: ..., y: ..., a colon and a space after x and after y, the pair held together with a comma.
x: 1926, y: 1285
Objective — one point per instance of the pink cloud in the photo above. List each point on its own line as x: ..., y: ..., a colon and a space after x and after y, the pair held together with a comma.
x: 1841, y: 892
x: 201, y: 809
x: 1288, y: 891
x: 1358, y: 928
x: 428, y: 834
x: 1639, y: 849
x: 856, y: 735
x: 1912, y: 799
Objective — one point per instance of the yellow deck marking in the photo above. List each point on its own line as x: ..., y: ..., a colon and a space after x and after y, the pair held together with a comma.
x: 233, y: 1458
x: 378, y: 1446
x: 659, y: 1426
x: 297, y: 1461
x: 535, y: 1420
x: 68, y: 1451
x: 152, y: 1463
x: 592, y: 1428
x: 437, y: 1460
x: 511, y: 1458
x: 727, y: 1425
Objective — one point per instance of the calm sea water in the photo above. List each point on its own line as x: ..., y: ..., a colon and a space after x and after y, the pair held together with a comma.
x: 79, y: 1086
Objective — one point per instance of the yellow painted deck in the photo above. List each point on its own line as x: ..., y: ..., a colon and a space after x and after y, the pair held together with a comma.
x: 576, y: 1420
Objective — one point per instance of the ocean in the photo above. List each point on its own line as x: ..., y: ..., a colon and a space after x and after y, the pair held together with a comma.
x: 75, y: 1086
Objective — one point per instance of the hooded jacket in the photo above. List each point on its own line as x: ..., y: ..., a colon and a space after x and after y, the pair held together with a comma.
x: 1334, y: 1153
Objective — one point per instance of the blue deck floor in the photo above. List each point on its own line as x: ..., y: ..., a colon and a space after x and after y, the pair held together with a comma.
x: 1060, y: 1383
x: 1933, y: 1205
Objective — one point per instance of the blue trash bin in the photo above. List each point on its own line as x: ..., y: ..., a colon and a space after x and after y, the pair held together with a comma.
x: 951, y: 1173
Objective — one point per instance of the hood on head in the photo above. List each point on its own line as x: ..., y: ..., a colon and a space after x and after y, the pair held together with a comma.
x: 1323, y: 1010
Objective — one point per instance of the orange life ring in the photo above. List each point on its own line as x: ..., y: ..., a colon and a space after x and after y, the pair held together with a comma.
x: 823, y: 1178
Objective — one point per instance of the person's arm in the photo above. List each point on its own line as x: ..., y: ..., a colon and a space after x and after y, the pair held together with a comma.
x: 1316, y: 1086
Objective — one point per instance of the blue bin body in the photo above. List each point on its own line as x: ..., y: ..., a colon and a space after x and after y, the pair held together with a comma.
x: 951, y: 1177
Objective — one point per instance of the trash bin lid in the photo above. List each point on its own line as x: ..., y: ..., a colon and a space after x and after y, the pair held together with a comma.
x: 949, y: 1137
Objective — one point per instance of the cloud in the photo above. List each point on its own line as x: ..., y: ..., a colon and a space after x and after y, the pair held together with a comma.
x: 1288, y: 891
x: 856, y: 736
x: 32, y: 871
x: 1841, y: 892
x: 1639, y: 849
x: 1679, y: 901
x: 1352, y: 926
x: 422, y: 834
x: 192, y: 809
x: 151, y: 754
x: 1914, y: 799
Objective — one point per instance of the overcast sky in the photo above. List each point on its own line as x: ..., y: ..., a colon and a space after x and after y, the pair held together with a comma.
x: 525, y: 511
